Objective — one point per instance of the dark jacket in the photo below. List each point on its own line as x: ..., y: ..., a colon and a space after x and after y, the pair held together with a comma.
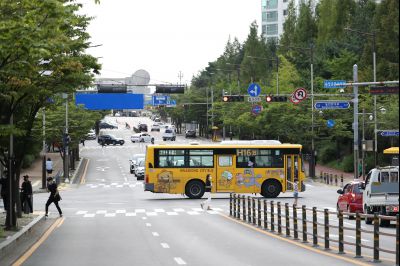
x: 52, y: 187
x: 4, y: 186
x: 26, y: 188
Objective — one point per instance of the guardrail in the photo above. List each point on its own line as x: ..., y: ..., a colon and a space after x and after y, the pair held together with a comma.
x: 257, y: 213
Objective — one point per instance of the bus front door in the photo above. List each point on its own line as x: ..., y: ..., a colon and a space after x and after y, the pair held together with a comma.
x: 225, y: 179
x: 291, y: 166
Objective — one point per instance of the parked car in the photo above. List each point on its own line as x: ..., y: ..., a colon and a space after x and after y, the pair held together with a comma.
x: 351, y: 198
x: 91, y: 135
x: 139, y: 170
x: 142, y: 127
x: 105, y: 125
x: 155, y: 127
x: 142, y: 137
x: 190, y: 133
x: 110, y: 139
x: 134, y: 161
x: 169, y: 134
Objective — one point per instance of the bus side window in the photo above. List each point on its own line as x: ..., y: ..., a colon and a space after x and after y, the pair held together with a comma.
x: 394, y: 177
x: 384, y: 177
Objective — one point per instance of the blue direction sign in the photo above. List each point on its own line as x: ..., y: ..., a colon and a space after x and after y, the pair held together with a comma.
x: 254, y: 89
x: 160, y: 100
x: 390, y: 133
x: 334, y: 84
x: 331, y: 105
x: 330, y: 123
x: 256, y: 109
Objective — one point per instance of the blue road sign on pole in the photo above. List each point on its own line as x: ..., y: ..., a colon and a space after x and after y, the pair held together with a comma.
x: 160, y: 100
x: 330, y: 123
x: 390, y: 133
x: 334, y: 84
x: 331, y: 105
x: 256, y: 109
x: 254, y: 89
x: 108, y: 101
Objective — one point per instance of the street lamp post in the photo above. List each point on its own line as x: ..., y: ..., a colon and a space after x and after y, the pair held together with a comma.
x: 355, y: 121
x: 44, y: 149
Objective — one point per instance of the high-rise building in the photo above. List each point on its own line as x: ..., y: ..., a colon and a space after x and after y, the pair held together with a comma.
x: 273, y: 14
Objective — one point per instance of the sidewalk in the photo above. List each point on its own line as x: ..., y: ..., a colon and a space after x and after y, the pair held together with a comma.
x: 347, y: 177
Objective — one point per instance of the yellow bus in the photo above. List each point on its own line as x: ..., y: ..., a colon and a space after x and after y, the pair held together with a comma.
x: 265, y: 167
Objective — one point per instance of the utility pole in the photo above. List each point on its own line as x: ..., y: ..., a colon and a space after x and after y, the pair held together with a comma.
x: 355, y: 122
x: 312, y: 174
x: 66, y: 142
x: 44, y: 148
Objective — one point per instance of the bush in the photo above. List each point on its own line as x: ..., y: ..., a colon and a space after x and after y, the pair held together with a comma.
x: 28, y: 160
x: 347, y: 163
x: 327, y: 152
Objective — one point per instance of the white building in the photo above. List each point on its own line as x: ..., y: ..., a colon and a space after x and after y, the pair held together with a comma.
x: 273, y: 14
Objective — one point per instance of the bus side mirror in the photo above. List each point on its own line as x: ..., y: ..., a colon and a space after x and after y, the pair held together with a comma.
x: 340, y: 191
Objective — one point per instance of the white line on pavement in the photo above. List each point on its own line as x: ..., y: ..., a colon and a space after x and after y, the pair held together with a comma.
x: 164, y: 245
x: 155, y: 234
x: 180, y: 261
x: 148, y: 224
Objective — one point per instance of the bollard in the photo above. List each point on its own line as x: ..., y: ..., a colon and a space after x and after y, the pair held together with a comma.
x: 234, y: 205
x: 248, y: 209
x: 272, y: 217
x: 244, y: 208
x: 295, y: 229
x: 230, y: 204
x: 254, y: 210
x: 304, y: 221
x: 259, y: 212
x: 238, y: 209
x: 287, y: 219
x: 336, y: 180
x: 279, y: 218
x: 341, y: 180
x: 397, y: 240
x: 358, y: 235
x: 341, y: 233
x: 325, y: 178
x: 315, y: 227
x: 376, y: 238
x: 265, y: 215
x: 331, y: 179
x: 321, y: 177
x: 326, y: 222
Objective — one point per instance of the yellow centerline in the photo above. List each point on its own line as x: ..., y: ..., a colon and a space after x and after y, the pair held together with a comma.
x: 83, y: 179
x: 35, y: 246
x: 356, y: 262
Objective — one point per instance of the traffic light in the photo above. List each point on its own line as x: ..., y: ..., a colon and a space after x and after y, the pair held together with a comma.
x: 271, y: 98
x: 233, y: 98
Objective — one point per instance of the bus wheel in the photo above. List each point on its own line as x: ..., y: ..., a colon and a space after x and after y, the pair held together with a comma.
x: 271, y: 189
x: 195, y: 189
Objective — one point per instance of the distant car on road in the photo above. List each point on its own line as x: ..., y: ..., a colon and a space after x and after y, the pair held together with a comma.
x: 190, y: 133
x: 134, y: 161
x: 139, y: 170
x: 105, y: 125
x: 110, y: 140
x: 142, y: 137
x: 155, y: 127
x: 169, y: 134
x: 91, y: 135
x: 351, y: 198
x: 142, y: 127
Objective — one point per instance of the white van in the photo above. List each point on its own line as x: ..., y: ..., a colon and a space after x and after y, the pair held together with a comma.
x: 169, y: 134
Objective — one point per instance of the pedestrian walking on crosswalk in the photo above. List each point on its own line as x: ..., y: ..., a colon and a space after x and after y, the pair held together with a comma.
x: 207, y: 202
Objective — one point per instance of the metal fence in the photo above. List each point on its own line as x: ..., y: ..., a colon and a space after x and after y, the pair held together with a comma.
x: 275, y: 217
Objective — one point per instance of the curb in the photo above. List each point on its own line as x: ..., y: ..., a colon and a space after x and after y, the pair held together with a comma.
x: 14, y: 240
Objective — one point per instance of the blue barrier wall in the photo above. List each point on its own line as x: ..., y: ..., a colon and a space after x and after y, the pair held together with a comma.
x: 107, y: 101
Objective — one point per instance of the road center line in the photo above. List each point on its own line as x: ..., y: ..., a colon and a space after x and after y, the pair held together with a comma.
x: 164, y: 245
x: 155, y: 234
x: 180, y: 261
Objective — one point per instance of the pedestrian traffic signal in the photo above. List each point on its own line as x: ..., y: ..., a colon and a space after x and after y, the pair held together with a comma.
x: 271, y: 98
x: 233, y: 98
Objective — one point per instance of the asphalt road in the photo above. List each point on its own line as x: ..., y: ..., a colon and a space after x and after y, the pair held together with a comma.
x: 110, y: 220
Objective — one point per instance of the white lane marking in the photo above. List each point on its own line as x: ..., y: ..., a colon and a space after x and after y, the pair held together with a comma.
x: 125, y: 184
x: 80, y: 212
x: 159, y: 210
x: 180, y: 261
x: 144, y: 218
x: 212, y: 212
x: 155, y: 234
x: 198, y: 209
x: 217, y: 209
x: 164, y: 245
x: 109, y: 215
x: 132, y: 186
x: 172, y: 213
x: 89, y: 215
x: 193, y: 213
x: 148, y: 224
x: 101, y: 212
x: 151, y: 213
x: 119, y: 186
x: 130, y: 214
x: 120, y: 211
x: 114, y: 184
x: 140, y: 210
x: 179, y: 210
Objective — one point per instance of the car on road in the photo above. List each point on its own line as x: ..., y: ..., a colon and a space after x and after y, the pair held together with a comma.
x: 142, y: 137
x: 190, y: 133
x: 135, y: 160
x: 142, y: 127
x: 350, y: 198
x: 110, y: 140
x: 155, y: 127
x: 139, y: 170
x: 169, y: 134
x: 105, y: 125
x: 91, y: 135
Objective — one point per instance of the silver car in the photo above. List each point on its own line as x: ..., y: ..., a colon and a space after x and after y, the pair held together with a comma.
x: 134, y: 161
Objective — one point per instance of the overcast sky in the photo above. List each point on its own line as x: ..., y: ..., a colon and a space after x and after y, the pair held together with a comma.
x: 165, y: 36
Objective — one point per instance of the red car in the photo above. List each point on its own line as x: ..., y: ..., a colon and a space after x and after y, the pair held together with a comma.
x: 351, y: 198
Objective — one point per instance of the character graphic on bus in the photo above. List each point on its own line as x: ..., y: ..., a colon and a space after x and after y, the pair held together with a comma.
x: 226, y: 179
